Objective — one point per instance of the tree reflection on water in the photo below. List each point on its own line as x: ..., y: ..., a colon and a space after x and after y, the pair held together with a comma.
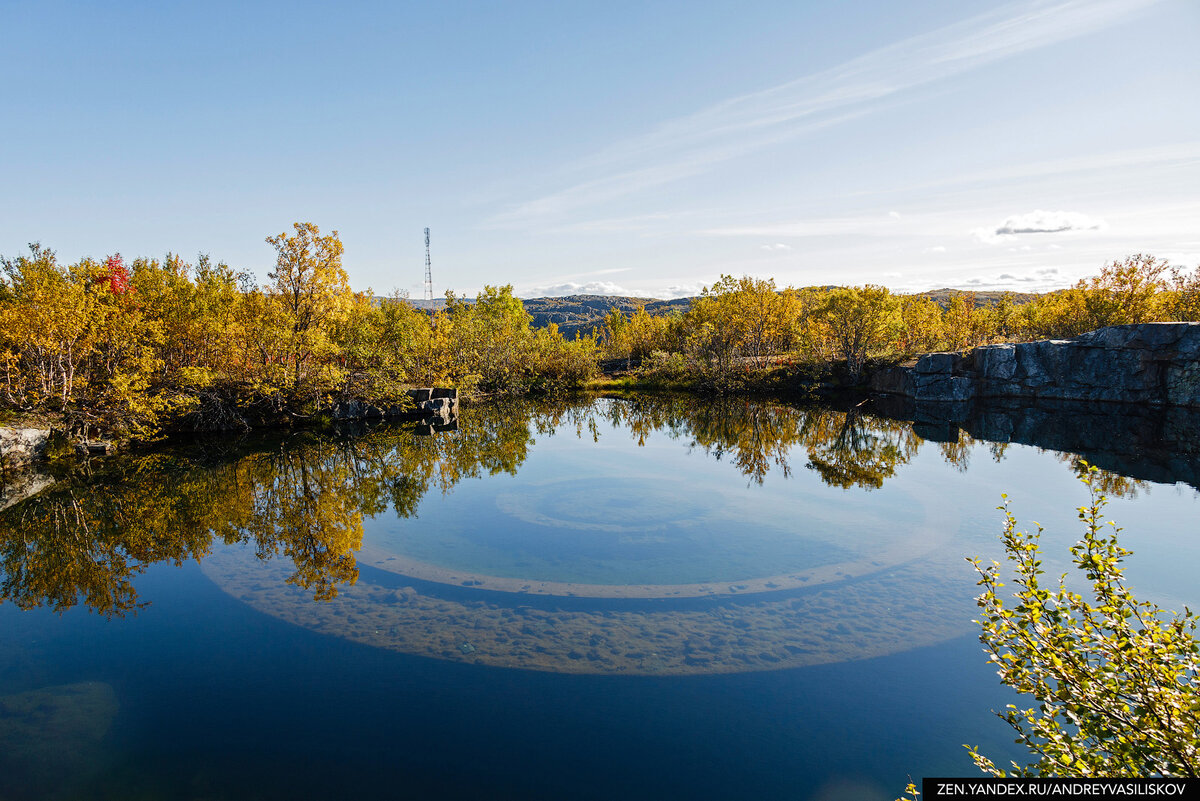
x: 86, y: 538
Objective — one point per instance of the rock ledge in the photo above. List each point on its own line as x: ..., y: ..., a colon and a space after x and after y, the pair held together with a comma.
x: 1157, y: 364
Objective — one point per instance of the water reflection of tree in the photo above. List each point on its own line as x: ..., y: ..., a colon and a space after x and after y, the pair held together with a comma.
x: 88, y: 537
x: 1105, y: 481
x: 957, y: 452
x: 299, y: 502
x: 305, y: 497
x: 847, y: 448
x: 754, y: 436
x: 851, y: 449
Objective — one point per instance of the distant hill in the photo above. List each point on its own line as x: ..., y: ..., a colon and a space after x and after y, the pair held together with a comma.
x: 942, y: 296
x: 421, y: 303
x: 579, y: 314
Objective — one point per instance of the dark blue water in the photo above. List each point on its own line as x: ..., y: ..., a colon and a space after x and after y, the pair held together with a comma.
x: 223, y: 696
x: 219, y: 701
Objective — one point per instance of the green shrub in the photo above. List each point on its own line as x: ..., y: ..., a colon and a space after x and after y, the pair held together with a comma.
x: 1116, y: 679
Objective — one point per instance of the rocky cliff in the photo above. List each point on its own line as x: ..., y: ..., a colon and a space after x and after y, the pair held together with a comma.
x: 1156, y: 364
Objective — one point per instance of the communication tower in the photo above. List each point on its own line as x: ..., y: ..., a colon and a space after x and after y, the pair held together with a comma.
x: 428, y: 274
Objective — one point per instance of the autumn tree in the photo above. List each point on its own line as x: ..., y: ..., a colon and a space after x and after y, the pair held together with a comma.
x: 407, y: 340
x: 488, y: 338
x: 46, y: 329
x: 922, y: 325
x: 1137, y: 289
x: 634, y: 336
x: 311, y: 287
x: 1126, y: 292
x: 964, y: 324
x: 737, y: 323
x: 1185, y: 302
x: 862, y: 321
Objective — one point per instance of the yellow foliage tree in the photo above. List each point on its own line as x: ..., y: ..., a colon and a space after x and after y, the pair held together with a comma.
x: 862, y: 321
x: 311, y: 287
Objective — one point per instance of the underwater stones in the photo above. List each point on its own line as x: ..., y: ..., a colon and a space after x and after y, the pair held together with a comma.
x: 52, y: 732
x: 401, y: 596
x: 762, y: 634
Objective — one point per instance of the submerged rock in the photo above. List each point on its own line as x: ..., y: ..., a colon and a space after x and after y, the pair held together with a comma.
x: 52, y: 733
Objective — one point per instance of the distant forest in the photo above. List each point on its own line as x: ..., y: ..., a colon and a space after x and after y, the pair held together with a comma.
x: 579, y: 314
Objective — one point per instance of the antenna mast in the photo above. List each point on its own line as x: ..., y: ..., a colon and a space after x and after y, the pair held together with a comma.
x: 428, y: 274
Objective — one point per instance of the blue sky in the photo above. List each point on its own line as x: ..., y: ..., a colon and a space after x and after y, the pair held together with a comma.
x: 625, y: 148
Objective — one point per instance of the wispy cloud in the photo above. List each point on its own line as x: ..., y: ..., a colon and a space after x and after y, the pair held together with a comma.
x: 635, y: 175
x: 866, y: 224
x: 1173, y: 156
x: 628, y: 224
x: 695, y: 143
x: 606, y: 271
x: 775, y: 248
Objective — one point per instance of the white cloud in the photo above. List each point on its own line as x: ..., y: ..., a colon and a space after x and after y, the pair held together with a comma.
x: 936, y: 249
x: 778, y: 246
x: 1183, y: 258
x: 1048, y: 222
x: 682, y: 291
x: 573, y: 288
x: 895, y: 215
x: 1038, y: 282
x: 1039, y: 222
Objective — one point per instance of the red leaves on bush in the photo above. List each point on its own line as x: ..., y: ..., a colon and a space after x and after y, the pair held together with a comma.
x: 117, y: 274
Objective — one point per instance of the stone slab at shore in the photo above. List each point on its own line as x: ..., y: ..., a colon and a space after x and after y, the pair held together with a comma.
x: 1155, y: 364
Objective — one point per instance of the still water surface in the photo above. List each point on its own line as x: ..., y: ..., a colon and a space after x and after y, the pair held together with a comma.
x: 646, y: 597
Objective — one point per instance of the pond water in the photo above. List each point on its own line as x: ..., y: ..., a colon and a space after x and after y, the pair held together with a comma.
x: 633, y: 597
